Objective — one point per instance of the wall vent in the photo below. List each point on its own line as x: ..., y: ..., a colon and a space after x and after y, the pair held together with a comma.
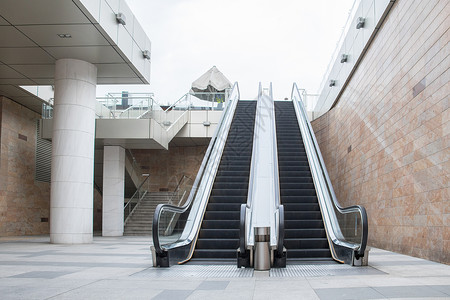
x: 43, y: 156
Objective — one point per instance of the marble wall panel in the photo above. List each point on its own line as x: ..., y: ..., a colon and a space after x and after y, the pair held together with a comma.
x: 386, y: 144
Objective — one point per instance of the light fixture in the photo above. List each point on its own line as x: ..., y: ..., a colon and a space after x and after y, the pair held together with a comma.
x: 65, y: 35
x: 344, y: 58
x: 360, y: 23
x: 120, y: 17
x: 332, y: 83
x: 146, y: 54
x: 206, y: 123
x: 167, y: 123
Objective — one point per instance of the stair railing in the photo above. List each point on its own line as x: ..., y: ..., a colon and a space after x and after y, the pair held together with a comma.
x: 182, y: 243
x: 347, y: 228
x: 135, y: 200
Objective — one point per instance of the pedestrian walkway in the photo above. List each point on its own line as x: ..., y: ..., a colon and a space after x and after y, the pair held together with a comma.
x: 121, y: 268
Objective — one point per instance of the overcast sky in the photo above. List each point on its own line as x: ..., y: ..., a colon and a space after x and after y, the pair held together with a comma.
x: 278, y: 41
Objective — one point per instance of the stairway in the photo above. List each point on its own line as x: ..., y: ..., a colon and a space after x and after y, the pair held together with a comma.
x: 140, y: 222
x: 305, y: 237
x: 219, y: 233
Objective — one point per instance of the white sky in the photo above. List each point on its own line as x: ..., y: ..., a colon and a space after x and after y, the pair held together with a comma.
x: 278, y: 41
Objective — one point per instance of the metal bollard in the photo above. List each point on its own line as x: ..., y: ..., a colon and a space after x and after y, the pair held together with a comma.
x: 262, y: 248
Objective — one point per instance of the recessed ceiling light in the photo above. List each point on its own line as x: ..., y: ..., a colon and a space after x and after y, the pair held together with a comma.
x: 65, y: 35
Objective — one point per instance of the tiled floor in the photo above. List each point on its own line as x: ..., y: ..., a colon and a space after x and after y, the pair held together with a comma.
x: 120, y: 268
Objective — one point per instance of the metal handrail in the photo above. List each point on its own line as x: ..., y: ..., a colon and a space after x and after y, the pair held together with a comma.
x: 176, y: 102
x: 137, y: 192
x: 328, y: 196
x: 177, y: 187
x: 219, y: 138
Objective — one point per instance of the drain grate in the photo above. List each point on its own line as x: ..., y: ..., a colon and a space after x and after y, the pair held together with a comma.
x: 315, y: 270
x: 309, y: 270
x: 196, y: 271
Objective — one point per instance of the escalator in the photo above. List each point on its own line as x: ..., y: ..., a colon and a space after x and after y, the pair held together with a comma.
x: 219, y: 233
x: 236, y: 196
x: 305, y: 237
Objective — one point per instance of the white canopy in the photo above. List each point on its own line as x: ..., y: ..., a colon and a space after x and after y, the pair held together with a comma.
x: 212, y: 81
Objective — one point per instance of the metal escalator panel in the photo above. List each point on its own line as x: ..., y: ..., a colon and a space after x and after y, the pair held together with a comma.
x: 175, y: 228
x: 305, y: 237
x: 346, y: 228
x: 219, y: 234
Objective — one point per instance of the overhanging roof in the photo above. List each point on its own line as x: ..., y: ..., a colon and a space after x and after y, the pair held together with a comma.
x: 30, y: 43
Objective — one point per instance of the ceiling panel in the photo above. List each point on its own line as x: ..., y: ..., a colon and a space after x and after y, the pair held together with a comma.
x: 94, y: 55
x: 12, y: 37
x: 13, y: 91
x: 47, y: 35
x: 118, y: 80
x: 36, y: 71
x: 115, y: 70
x: 3, y: 22
x: 32, y: 55
x: 44, y: 81
x: 7, y: 72
x: 17, y: 81
x: 22, y: 12
x: 32, y: 102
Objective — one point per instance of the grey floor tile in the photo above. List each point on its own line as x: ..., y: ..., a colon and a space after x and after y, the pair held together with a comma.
x: 173, y: 295
x: 41, y: 274
x: 213, y: 285
x: 409, y: 291
x: 357, y: 293
x: 442, y: 288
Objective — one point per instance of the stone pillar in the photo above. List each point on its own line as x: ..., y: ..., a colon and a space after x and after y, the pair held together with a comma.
x: 71, y: 198
x: 113, y: 190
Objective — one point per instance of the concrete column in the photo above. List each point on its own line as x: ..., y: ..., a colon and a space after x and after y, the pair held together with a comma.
x: 71, y: 198
x: 113, y: 190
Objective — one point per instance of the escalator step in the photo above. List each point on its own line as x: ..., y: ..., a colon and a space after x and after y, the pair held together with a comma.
x: 222, y: 215
x: 302, y: 215
x: 298, y: 223
x: 219, y: 233
x: 218, y: 243
x: 305, y: 233
x: 216, y: 253
x: 232, y: 199
x: 308, y: 253
x: 306, y: 243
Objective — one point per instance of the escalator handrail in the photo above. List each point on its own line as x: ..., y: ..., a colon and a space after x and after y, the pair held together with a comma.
x: 230, y: 107
x: 339, y: 239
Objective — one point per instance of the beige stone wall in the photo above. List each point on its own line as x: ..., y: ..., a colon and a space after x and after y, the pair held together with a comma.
x: 24, y: 202
x: 166, y: 168
x: 386, y: 143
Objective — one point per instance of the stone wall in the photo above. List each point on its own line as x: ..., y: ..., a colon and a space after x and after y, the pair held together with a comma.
x: 386, y: 142
x: 166, y: 168
x: 24, y: 202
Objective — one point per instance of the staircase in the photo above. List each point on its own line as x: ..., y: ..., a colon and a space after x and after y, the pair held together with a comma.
x: 140, y: 222
x: 305, y: 237
x: 219, y: 233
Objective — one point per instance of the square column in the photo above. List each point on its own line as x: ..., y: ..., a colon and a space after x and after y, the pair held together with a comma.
x: 113, y: 190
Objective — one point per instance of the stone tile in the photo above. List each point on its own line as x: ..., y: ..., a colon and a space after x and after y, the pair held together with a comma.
x: 409, y: 291
x: 213, y: 285
x: 173, y: 295
x: 356, y: 293
x: 41, y: 274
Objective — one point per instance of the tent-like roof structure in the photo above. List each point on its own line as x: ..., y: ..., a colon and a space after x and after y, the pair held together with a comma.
x: 212, y: 81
